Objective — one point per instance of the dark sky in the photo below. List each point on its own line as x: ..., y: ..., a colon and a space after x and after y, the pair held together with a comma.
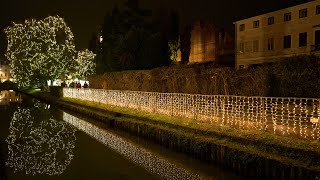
x: 84, y: 16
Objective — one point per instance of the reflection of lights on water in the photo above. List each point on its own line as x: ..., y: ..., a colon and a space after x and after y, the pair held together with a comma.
x: 39, y: 146
x: 39, y: 104
x: 136, y: 154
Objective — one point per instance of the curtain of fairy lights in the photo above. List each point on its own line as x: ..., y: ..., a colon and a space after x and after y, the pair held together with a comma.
x: 285, y: 116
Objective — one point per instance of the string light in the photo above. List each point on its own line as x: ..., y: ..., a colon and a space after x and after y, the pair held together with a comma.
x: 43, y: 50
x: 139, y: 155
x: 85, y: 64
x: 39, y: 146
x: 281, y: 116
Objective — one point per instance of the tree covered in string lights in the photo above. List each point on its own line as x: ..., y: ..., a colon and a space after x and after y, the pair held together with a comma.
x: 41, y: 50
x: 85, y: 65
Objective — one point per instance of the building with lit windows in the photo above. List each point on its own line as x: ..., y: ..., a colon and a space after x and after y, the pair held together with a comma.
x: 272, y: 36
x: 7, y: 97
x: 4, y: 73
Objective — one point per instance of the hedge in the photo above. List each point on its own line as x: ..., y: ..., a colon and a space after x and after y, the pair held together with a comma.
x: 296, y: 76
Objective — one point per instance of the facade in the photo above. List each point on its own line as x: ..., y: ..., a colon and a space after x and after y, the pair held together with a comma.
x: 7, y: 97
x: 273, y: 36
x: 208, y: 43
x: 4, y: 73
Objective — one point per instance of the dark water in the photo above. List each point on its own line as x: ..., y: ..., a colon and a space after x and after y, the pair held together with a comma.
x: 38, y: 141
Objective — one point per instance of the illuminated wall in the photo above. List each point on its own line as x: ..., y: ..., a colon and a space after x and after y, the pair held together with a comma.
x: 7, y: 97
x: 208, y: 43
x: 260, y: 39
x: 4, y: 73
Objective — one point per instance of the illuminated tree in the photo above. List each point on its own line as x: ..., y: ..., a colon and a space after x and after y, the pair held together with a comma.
x: 40, y: 50
x: 85, y: 65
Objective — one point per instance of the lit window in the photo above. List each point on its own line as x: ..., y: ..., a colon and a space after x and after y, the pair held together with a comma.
x: 303, y: 13
x: 270, y: 20
x: 256, y: 24
x: 241, y: 27
x: 303, y: 39
x: 287, y: 16
x: 287, y: 41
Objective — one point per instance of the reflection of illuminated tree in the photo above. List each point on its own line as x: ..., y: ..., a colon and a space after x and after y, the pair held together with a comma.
x: 39, y: 144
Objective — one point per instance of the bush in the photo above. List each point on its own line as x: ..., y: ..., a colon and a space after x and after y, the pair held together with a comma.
x: 297, y: 76
x: 56, y: 91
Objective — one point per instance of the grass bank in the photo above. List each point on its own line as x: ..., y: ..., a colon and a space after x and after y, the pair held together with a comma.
x: 249, y: 153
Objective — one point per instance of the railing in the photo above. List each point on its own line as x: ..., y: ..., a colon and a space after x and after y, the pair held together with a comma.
x: 285, y: 116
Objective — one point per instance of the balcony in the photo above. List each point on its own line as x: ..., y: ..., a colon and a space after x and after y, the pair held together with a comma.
x: 315, y: 47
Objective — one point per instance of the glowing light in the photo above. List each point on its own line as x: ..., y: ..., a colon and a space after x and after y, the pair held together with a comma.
x: 152, y: 163
x: 43, y: 50
x: 39, y: 146
x: 283, y: 116
x: 314, y: 120
x: 85, y: 64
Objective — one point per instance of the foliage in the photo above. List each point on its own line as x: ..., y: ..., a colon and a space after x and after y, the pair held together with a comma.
x: 40, y: 50
x: 292, y: 77
x: 130, y: 41
x: 43, y: 50
x: 85, y: 65
x: 173, y: 49
x: 297, y: 77
x: 56, y: 91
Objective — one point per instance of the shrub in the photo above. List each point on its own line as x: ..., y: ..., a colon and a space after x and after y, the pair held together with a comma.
x: 296, y: 76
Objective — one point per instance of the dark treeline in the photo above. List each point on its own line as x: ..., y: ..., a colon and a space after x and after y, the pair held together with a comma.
x: 134, y: 38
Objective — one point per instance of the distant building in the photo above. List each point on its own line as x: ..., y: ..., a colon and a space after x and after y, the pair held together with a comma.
x: 272, y: 36
x: 4, y: 73
x: 7, y: 97
x: 208, y: 43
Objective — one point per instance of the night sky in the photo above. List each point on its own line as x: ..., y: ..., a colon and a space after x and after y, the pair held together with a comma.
x: 85, y: 16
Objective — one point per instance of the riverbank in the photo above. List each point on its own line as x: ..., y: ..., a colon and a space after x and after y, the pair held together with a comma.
x: 249, y: 153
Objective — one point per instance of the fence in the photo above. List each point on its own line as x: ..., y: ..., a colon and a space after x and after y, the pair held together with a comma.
x: 280, y: 115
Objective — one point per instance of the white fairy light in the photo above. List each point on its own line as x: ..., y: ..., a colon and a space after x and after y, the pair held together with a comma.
x: 44, y: 50
x: 85, y: 65
x: 39, y: 146
x: 281, y: 116
x: 139, y: 155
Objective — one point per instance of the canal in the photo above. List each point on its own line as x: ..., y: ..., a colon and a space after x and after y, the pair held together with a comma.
x: 39, y: 141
